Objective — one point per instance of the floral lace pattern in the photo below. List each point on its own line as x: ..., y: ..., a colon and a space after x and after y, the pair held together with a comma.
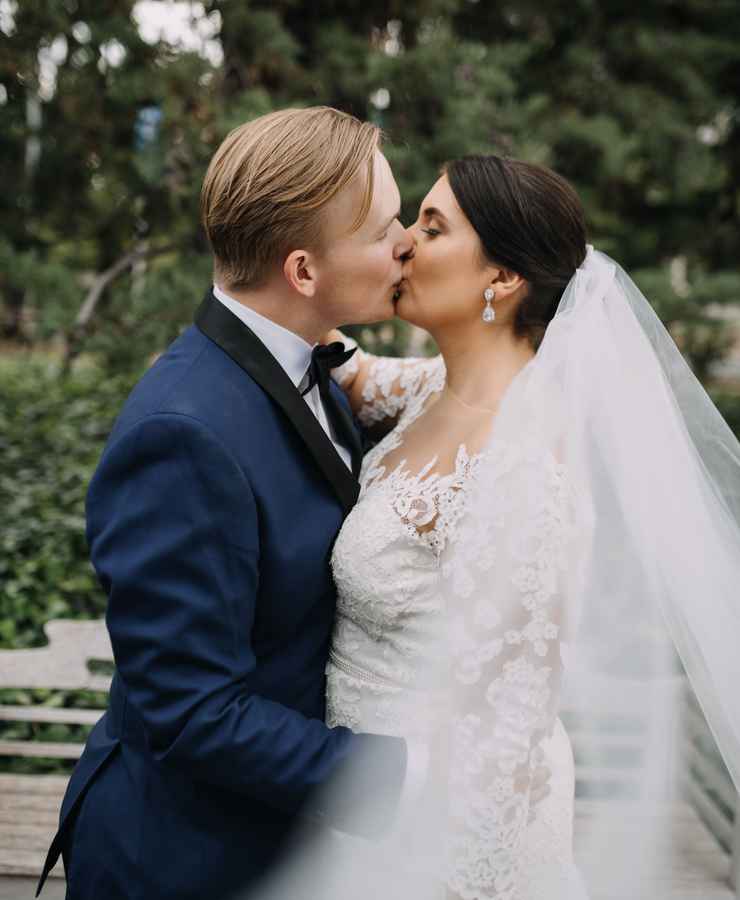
x: 497, y: 608
x: 426, y: 499
x: 392, y: 385
x: 506, y: 657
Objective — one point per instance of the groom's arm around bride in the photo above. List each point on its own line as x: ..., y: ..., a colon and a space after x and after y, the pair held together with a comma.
x: 211, y: 518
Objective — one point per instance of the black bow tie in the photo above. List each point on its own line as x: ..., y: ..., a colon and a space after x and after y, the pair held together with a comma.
x: 324, y: 358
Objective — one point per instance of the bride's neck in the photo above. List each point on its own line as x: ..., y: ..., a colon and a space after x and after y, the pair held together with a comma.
x: 481, y: 361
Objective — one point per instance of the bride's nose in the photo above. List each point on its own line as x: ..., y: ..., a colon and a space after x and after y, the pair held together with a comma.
x: 405, y: 246
x: 410, y: 245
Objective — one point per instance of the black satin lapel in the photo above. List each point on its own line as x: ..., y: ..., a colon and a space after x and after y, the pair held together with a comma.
x: 245, y: 348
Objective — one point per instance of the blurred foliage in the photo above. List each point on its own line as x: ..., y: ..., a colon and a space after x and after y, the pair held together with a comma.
x: 636, y: 104
x: 728, y: 404
x: 51, y: 435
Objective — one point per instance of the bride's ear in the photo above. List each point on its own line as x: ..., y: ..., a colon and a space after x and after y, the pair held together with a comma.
x: 506, y: 282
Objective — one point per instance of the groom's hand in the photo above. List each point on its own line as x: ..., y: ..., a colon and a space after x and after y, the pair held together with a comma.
x: 539, y: 788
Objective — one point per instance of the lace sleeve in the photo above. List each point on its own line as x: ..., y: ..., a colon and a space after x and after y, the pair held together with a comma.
x: 380, y: 387
x: 390, y: 384
x: 506, y: 601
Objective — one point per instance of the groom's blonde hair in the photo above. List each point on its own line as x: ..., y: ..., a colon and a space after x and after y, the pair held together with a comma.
x: 268, y: 183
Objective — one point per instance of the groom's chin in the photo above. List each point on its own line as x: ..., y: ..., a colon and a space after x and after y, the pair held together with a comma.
x: 401, y: 308
x: 381, y: 312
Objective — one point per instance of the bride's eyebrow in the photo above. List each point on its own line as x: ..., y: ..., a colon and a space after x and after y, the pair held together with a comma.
x: 431, y: 212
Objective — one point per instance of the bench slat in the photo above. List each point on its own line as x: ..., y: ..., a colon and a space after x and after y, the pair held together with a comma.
x: 39, y: 804
x: 27, y: 862
x: 711, y: 814
x: 48, y: 818
x: 714, y: 775
x: 580, y: 737
x: 41, y: 749
x: 32, y: 784
x: 63, y: 663
x: 50, y: 714
x: 27, y: 837
x: 30, y: 807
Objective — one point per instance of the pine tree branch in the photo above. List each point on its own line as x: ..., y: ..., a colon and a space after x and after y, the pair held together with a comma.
x: 75, y: 334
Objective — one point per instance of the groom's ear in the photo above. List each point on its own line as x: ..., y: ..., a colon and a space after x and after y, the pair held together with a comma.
x: 300, y: 272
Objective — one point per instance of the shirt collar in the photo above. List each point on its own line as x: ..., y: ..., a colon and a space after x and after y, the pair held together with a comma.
x: 288, y: 348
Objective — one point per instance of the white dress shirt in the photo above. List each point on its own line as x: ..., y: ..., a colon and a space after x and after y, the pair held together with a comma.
x: 294, y: 355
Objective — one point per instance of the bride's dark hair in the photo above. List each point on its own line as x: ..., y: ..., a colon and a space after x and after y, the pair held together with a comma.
x: 530, y: 220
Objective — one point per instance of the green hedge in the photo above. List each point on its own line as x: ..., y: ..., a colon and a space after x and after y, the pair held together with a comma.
x: 52, y: 431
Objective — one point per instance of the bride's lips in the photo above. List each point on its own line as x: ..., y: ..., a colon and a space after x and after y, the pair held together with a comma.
x: 397, y: 289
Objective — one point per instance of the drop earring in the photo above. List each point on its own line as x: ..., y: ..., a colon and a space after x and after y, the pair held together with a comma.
x: 489, y: 313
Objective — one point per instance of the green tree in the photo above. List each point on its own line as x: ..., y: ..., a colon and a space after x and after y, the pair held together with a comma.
x: 638, y: 107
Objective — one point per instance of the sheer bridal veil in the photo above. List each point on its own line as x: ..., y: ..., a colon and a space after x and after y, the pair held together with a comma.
x: 594, y: 576
x: 599, y: 567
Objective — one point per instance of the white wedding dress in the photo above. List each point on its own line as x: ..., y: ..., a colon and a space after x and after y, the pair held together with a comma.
x: 388, y: 562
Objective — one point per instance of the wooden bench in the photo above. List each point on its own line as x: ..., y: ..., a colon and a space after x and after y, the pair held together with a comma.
x: 29, y: 804
x: 700, y: 853
x: 709, y: 787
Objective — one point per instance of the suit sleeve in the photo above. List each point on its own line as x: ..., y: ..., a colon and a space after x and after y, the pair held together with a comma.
x: 174, y: 538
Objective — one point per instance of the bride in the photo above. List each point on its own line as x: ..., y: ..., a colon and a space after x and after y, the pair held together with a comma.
x: 549, y: 498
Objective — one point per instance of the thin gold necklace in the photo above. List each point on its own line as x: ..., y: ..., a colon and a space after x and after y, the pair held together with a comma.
x: 467, y: 405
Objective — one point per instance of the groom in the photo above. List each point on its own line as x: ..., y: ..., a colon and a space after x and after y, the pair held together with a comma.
x: 210, y: 521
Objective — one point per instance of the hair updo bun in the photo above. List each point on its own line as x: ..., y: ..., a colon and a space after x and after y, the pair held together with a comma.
x: 529, y: 220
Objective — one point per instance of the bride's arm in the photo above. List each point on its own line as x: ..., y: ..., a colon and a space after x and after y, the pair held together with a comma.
x: 506, y: 603
x: 379, y: 387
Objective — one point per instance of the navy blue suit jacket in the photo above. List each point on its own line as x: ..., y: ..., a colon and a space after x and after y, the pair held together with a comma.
x: 210, y: 521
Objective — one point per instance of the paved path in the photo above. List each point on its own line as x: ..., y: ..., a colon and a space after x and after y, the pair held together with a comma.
x: 697, y: 869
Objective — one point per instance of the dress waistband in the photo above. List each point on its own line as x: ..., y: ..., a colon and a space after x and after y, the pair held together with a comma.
x: 349, y: 668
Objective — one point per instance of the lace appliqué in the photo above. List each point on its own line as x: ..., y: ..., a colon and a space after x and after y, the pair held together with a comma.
x: 425, y: 499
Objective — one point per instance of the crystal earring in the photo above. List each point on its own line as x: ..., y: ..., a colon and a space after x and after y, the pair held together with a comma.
x: 489, y: 313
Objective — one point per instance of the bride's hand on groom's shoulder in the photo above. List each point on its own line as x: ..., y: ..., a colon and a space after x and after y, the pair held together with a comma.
x: 334, y: 334
x: 346, y: 375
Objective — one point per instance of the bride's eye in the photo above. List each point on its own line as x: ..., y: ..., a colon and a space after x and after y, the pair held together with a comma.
x: 432, y: 232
